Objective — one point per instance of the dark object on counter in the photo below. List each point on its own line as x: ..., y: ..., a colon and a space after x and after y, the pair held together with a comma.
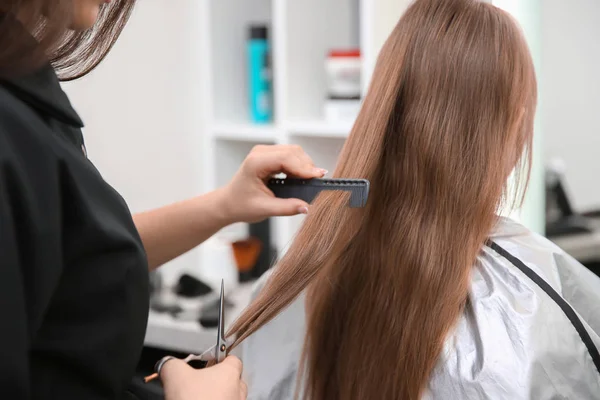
x: 593, y: 266
x: 573, y: 231
x: 256, y: 255
x: 160, y: 307
x: 188, y: 286
x: 561, y: 219
x: 573, y: 225
x: 209, y: 314
x: 308, y: 189
x: 268, y: 254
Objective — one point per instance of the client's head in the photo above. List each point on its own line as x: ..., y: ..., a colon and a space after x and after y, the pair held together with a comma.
x: 448, y: 117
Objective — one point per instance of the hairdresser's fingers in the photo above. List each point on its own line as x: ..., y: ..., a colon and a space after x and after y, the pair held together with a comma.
x: 290, y: 159
x: 243, y: 390
x: 284, y: 207
x: 303, y: 157
x: 271, y: 148
x: 234, y: 363
x: 295, y: 165
x: 174, y: 370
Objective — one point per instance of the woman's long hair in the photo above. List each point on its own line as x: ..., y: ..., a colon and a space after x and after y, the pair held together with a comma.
x: 448, y: 117
x: 36, y: 32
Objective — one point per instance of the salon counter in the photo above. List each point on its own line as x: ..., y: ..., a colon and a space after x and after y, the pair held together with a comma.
x: 169, y: 333
x: 583, y: 247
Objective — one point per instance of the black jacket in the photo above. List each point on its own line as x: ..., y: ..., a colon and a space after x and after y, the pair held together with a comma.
x: 73, y: 272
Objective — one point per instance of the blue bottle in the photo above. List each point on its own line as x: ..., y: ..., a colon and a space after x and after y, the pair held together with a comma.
x: 261, y: 101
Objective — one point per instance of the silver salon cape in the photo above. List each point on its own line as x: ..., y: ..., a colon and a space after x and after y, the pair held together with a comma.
x: 512, y: 342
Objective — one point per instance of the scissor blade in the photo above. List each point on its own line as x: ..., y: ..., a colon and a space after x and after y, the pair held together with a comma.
x: 209, y: 355
x: 221, y: 319
x: 221, y: 350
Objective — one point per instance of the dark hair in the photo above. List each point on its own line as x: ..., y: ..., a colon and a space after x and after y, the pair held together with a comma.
x: 35, y: 32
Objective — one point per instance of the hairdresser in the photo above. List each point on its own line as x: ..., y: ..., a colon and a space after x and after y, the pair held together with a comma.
x: 73, y: 261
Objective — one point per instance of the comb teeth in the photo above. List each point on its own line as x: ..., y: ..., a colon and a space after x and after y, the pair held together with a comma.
x: 308, y: 189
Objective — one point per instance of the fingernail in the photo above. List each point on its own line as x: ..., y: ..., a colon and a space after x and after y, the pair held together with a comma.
x: 321, y: 171
x: 303, y: 210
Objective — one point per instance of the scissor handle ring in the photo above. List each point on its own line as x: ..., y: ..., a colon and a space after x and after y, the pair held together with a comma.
x: 159, y: 365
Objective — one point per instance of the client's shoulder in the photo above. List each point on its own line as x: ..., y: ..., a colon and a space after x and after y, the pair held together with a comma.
x: 514, y: 326
x: 513, y: 246
x: 514, y: 250
x: 512, y: 234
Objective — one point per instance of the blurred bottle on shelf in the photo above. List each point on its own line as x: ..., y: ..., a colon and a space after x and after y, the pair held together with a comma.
x: 259, y: 69
x: 343, y: 69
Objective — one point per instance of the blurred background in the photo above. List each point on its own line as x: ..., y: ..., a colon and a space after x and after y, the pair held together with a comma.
x: 193, y: 85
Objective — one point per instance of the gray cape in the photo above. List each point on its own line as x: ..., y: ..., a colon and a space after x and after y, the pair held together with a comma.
x: 513, y: 341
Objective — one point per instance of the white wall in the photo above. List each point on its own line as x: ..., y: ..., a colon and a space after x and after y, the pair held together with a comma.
x: 571, y: 94
x: 379, y: 18
x: 142, y: 109
x: 528, y: 14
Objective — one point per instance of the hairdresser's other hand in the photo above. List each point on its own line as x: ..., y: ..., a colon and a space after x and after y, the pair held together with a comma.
x: 247, y: 198
x: 220, y: 382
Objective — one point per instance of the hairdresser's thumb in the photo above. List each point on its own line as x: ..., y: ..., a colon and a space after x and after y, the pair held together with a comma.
x: 174, y: 372
x: 285, y: 207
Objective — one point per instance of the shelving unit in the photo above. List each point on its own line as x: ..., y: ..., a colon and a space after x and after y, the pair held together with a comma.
x: 301, y: 33
x: 245, y: 132
x: 319, y: 129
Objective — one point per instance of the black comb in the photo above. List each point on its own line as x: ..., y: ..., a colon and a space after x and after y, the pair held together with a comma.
x: 308, y: 189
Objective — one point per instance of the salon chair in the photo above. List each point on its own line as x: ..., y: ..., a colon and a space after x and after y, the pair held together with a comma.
x: 575, y: 232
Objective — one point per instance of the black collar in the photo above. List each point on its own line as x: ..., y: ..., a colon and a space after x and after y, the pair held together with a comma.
x: 42, y: 90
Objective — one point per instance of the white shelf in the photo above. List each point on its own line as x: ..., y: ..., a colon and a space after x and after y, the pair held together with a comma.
x: 246, y: 132
x: 271, y: 134
x: 313, y: 28
x: 165, y: 332
x: 319, y: 128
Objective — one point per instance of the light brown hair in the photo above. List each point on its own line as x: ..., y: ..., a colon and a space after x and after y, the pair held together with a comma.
x: 36, y: 32
x: 448, y: 116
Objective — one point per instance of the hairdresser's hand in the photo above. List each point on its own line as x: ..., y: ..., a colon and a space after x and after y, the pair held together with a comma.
x: 221, y: 382
x: 247, y: 199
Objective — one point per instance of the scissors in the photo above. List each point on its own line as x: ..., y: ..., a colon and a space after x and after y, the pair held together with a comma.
x: 217, y: 353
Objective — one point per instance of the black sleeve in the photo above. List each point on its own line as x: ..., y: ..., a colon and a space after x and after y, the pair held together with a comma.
x: 14, y: 335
